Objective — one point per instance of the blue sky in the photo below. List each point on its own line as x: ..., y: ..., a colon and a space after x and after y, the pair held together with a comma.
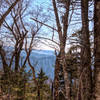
x: 46, y: 9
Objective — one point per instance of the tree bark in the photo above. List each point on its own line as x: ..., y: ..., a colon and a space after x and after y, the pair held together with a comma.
x: 85, y: 53
x: 97, y: 49
x: 56, y: 78
x: 4, y: 63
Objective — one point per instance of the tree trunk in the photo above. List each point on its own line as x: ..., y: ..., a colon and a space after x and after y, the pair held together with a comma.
x: 4, y: 63
x: 38, y: 94
x: 85, y: 54
x: 61, y: 59
x: 56, y: 79
x: 52, y: 89
x: 34, y: 77
x: 97, y: 48
x: 66, y: 78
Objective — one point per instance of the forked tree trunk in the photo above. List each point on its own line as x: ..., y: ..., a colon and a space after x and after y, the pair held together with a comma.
x: 61, y: 59
x: 97, y: 48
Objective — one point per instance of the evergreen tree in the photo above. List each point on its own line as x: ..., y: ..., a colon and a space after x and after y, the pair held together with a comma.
x: 44, y: 89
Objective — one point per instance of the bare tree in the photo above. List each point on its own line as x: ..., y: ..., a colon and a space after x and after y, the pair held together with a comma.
x: 22, y: 39
x: 17, y: 32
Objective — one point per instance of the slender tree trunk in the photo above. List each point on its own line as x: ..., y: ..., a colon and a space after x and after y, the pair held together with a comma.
x: 79, y: 92
x: 4, y: 63
x: 34, y: 77
x: 38, y: 94
x: 52, y: 89
x: 56, y: 79
x: 97, y: 48
x: 85, y: 54
x: 66, y: 78
x: 7, y: 12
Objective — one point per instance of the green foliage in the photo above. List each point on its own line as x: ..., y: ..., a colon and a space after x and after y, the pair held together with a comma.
x: 20, y: 87
x: 41, y: 78
x: 43, y: 87
x: 14, y: 84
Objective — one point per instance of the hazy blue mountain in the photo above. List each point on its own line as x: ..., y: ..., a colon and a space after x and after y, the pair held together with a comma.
x: 45, y: 59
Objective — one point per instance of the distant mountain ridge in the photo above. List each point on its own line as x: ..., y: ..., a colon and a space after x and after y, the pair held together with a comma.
x: 46, y: 61
x: 45, y: 58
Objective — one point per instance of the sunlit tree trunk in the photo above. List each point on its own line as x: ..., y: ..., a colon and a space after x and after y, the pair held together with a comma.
x: 97, y: 48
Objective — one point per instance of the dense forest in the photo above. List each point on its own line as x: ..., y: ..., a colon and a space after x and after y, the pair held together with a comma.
x: 69, y: 28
